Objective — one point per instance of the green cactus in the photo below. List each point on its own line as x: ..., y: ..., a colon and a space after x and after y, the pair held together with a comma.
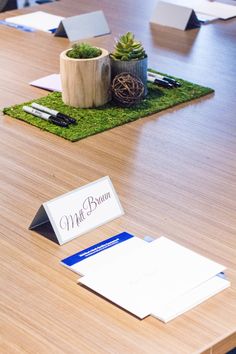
x: 127, y: 48
x: 83, y: 51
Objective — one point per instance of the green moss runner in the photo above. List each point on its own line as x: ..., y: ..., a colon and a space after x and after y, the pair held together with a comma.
x: 96, y: 120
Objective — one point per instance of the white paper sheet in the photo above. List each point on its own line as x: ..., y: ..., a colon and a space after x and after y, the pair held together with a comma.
x: 50, y: 83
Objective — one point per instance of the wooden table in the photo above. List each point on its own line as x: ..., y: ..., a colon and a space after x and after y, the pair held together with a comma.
x: 175, y: 174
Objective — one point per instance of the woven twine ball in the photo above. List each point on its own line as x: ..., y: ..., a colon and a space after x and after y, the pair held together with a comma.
x: 127, y: 89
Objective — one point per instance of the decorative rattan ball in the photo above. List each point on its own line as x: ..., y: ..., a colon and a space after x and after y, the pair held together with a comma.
x: 127, y: 89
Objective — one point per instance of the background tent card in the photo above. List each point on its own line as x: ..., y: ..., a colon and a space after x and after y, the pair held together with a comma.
x: 173, y: 15
x: 83, y: 26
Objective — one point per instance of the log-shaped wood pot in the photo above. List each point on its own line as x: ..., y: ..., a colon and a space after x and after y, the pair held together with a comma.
x: 85, y: 82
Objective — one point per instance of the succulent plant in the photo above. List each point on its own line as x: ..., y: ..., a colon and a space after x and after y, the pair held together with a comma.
x: 127, y: 48
x: 83, y: 51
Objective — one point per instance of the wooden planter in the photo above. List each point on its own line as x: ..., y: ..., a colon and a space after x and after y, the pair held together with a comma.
x: 135, y: 67
x: 85, y: 82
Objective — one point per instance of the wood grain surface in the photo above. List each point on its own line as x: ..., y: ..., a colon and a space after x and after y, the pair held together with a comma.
x: 174, y: 172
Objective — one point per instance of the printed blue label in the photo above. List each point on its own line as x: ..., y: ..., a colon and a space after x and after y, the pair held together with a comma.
x: 99, y: 247
x: 15, y: 25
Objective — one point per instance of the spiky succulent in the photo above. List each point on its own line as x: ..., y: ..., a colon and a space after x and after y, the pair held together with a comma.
x: 127, y: 48
x: 83, y: 51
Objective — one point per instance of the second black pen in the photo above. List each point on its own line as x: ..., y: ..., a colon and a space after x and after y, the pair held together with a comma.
x: 53, y: 112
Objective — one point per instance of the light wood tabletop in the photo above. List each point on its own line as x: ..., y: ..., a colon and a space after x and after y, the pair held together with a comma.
x: 174, y: 172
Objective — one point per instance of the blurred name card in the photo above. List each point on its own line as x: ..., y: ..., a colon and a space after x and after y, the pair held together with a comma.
x: 79, y: 211
x: 83, y: 26
x: 174, y: 15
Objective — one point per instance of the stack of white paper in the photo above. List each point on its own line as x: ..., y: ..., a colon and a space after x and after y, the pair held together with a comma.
x: 161, y: 278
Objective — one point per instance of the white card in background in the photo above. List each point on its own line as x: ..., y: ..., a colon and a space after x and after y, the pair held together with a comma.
x: 151, y: 277
x: 80, y: 210
x: 51, y: 82
x: 173, y: 15
x: 39, y: 20
x: 83, y: 26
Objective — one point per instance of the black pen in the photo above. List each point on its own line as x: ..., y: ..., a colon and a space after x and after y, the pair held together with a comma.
x: 53, y: 112
x: 165, y: 78
x: 159, y: 82
x: 45, y: 116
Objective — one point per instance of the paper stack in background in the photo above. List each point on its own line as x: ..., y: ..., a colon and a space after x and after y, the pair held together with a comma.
x: 39, y: 20
x: 161, y: 278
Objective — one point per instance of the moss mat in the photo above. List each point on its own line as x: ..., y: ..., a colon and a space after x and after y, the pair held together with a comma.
x: 96, y: 120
